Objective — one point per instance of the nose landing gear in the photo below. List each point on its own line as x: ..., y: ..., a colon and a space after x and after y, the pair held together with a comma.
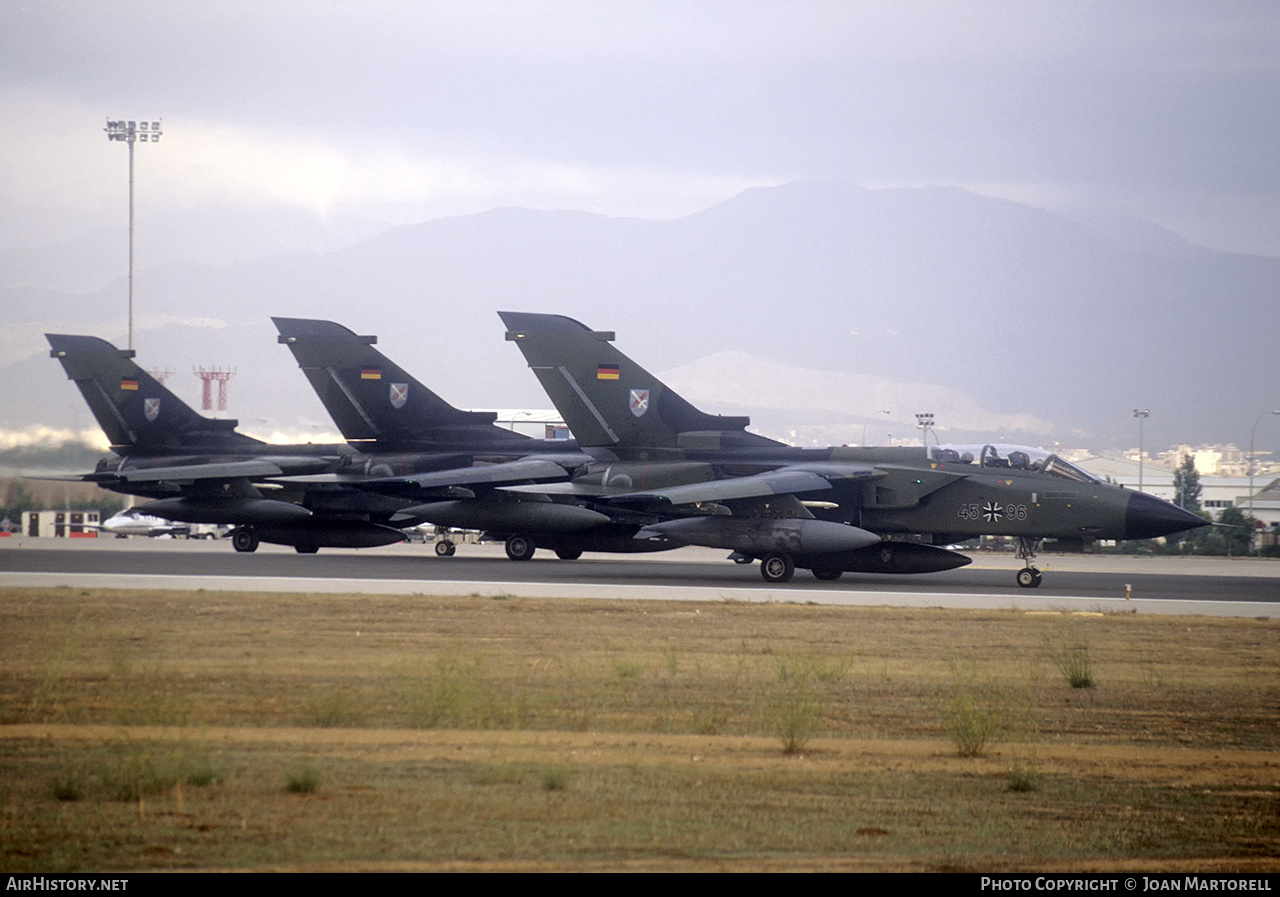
x: 1029, y: 577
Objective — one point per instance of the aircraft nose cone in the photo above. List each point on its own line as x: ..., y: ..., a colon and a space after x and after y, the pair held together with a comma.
x: 1148, y: 517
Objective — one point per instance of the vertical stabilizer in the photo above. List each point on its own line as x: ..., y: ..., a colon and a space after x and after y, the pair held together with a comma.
x: 134, y: 409
x: 370, y: 397
x: 608, y: 400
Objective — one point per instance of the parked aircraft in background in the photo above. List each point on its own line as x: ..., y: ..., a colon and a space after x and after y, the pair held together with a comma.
x: 704, y: 480
x: 130, y: 522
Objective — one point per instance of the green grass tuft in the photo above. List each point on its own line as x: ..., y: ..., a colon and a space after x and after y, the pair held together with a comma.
x: 799, y: 701
x: 302, y: 781
x: 1023, y: 777
x: 555, y: 778
x: 1070, y: 653
x: 626, y: 669
x: 974, y: 716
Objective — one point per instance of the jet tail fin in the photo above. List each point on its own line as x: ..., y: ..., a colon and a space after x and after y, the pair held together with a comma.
x: 368, y: 395
x: 610, y: 401
x: 133, y: 408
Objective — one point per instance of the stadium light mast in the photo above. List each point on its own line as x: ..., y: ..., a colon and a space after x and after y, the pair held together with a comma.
x: 132, y: 132
x: 924, y: 423
x: 1142, y: 419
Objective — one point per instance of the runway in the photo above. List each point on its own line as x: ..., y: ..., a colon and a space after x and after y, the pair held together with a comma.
x: 1214, y: 587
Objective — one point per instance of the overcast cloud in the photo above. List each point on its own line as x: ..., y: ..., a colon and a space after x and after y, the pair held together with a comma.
x: 407, y: 110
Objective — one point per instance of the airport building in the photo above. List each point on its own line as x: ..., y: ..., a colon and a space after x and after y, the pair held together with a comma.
x: 60, y: 524
x: 1266, y: 508
x: 1216, y: 492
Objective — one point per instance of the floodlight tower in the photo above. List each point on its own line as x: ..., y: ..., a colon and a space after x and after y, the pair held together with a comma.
x: 1142, y: 419
x: 924, y: 423
x: 132, y: 132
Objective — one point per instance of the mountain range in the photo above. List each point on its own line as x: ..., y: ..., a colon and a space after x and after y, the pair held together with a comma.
x: 812, y: 306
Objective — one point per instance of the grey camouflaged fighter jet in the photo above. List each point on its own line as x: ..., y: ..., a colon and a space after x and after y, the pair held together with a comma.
x: 708, y: 481
x: 201, y: 470
x: 374, y: 401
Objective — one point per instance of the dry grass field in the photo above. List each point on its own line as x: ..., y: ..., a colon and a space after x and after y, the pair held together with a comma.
x: 164, y: 730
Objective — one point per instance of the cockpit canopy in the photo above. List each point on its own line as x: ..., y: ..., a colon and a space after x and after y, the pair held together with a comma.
x: 1010, y: 457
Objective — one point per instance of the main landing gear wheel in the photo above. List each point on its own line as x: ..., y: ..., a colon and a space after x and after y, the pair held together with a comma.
x: 244, y: 539
x: 1029, y: 577
x: 306, y: 549
x: 445, y: 549
x: 520, y: 548
x: 777, y: 567
x: 568, y: 554
x: 827, y: 575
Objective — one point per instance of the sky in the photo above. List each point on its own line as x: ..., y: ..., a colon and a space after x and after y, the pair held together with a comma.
x: 404, y: 111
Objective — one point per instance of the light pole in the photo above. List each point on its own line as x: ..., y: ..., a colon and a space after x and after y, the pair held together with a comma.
x: 1142, y: 419
x: 1253, y: 432
x: 132, y: 132
x: 864, y: 426
x: 924, y: 423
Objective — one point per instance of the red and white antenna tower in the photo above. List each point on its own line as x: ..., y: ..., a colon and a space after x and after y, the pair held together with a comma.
x: 209, y: 376
x: 161, y: 375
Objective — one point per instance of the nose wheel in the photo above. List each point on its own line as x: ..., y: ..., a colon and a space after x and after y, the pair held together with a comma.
x: 1028, y: 577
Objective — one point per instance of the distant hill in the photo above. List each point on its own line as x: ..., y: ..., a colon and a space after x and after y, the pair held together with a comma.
x: 1004, y: 312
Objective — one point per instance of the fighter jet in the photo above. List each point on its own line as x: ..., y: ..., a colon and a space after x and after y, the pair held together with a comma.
x: 376, y: 403
x: 708, y: 481
x: 202, y: 470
